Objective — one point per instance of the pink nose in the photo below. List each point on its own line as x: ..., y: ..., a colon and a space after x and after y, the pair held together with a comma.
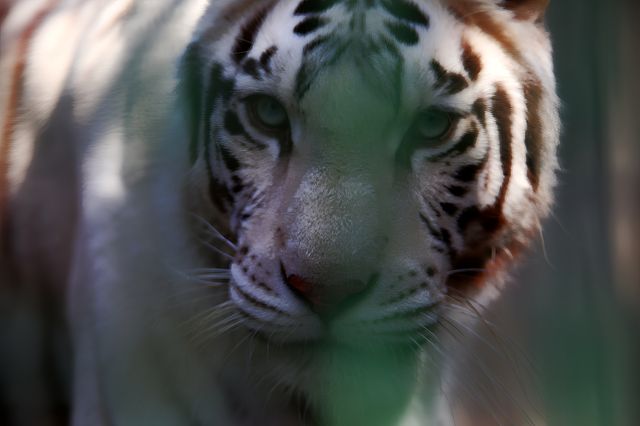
x: 324, y: 298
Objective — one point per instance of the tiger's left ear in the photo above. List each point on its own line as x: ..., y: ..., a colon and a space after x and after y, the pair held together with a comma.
x: 527, y: 10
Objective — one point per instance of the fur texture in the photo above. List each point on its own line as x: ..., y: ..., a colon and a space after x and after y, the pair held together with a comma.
x: 215, y: 268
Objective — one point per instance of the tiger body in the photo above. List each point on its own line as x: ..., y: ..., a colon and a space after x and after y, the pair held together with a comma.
x: 257, y: 212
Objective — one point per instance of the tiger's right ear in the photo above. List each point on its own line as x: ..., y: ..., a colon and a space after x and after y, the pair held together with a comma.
x: 191, y: 97
x: 527, y: 10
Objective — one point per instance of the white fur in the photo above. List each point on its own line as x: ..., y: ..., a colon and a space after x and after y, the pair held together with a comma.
x: 151, y: 344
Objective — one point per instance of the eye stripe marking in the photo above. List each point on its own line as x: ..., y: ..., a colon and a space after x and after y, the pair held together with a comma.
x: 466, y: 142
x: 450, y: 82
x: 266, y: 57
x: 233, y: 125
x: 471, y: 61
x: 246, y: 37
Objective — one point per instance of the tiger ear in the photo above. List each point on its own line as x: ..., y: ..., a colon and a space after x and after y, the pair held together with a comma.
x: 526, y: 10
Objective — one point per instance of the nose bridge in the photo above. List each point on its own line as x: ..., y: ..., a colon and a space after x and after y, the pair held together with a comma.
x: 335, y: 221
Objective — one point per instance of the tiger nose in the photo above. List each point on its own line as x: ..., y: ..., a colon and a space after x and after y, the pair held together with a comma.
x: 326, y: 299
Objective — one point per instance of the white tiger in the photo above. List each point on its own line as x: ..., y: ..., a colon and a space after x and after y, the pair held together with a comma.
x: 258, y: 212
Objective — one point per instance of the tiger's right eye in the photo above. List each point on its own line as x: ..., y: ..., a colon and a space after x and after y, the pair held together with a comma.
x: 432, y: 126
x: 267, y: 113
x: 430, y: 130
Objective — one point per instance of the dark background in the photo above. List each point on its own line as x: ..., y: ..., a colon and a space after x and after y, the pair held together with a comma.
x: 575, y: 306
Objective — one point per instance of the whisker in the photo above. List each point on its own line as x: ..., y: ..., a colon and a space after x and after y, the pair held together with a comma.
x: 462, y: 385
x: 215, y: 231
x: 208, y: 315
x: 464, y: 271
x: 492, y: 327
x: 210, y: 270
x: 216, y: 249
x: 545, y: 254
x: 486, y: 373
x: 217, y: 329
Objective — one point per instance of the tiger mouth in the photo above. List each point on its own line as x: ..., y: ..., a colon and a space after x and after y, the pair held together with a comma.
x: 288, y: 318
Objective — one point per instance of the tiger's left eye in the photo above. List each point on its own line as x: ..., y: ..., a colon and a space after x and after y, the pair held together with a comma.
x: 267, y: 113
x: 433, y: 125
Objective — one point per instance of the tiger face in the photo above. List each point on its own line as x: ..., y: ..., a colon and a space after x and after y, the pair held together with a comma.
x: 372, y: 159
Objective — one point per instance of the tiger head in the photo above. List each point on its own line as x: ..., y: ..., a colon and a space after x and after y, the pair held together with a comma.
x: 372, y: 159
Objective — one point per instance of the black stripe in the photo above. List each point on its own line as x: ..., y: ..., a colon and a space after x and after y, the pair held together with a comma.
x: 479, y: 109
x: 458, y: 191
x: 314, y: 44
x: 259, y: 303
x: 467, y: 173
x: 433, y: 208
x: 533, y: 138
x: 389, y: 46
x: 266, y: 57
x: 441, y: 235
x: 450, y: 82
x: 229, y: 160
x: 403, y: 33
x: 466, y: 217
x: 314, y: 63
x: 220, y: 87
x: 314, y: 6
x: 233, y: 125
x: 407, y: 11
x: 467, y: 141
x: 238, y: 185
x: 220, y: 195
x: 502, y: 110
x: 439, y: 72
x: 471, y: 61
x: 309, y: 25
x: 247, y: 35
x: 251, y: 67
x: 449, y: 208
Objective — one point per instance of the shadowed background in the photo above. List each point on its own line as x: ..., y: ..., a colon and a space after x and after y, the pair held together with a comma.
x: 575, y: 306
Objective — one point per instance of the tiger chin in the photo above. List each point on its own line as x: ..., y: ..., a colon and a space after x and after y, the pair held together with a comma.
x: 262, y: 212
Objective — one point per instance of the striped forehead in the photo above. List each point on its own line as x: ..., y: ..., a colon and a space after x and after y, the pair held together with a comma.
x: 316, y: 33
x: 402, y: 22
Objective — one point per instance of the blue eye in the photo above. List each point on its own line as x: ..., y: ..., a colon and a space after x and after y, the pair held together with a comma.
x: 267, y: 113
x: 432, y: 125
x: 430, y: 129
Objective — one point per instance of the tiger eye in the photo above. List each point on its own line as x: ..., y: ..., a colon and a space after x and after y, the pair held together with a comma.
x: 267, y: 113
x: 433, y: 125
